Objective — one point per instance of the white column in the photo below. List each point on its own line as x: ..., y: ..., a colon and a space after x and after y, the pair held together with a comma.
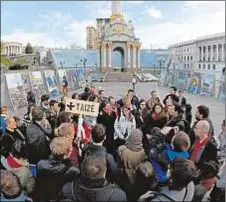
x: 211, y: 53
x: 134, y: 57
x: 201, y: 53
x: 223, y: 53
x: 207, y: 52
x: 128, y: 59
x: 217, y: 53
x: 138, y: 58
x: 110, y: 56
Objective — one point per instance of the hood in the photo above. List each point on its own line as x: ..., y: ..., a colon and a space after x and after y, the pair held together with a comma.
x: 53, y: 166
x: 100, y: 193
x: 178, y: 195
x: 96, y: 150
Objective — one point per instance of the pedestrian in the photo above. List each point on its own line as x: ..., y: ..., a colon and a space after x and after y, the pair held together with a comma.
x: 65, y: 85
x: 134, y: 82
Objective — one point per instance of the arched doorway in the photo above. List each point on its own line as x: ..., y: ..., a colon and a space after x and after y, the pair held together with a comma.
x: 118, y: 59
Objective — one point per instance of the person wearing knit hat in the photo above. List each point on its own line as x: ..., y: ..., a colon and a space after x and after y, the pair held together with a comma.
x: 132, y: 154
x: 92, y: 184
x: 134, y: 140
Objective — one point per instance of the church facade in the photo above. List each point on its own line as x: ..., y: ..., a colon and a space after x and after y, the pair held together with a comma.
x: 115, y: 35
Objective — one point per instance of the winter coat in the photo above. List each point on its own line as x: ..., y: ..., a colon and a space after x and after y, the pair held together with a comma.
x: 93, y: 150
x: 52, y: 175
x: 123, y: 127
x: 107, y: 121
x: 8, y: 140
x: 185, y: 194
x: 37, y: 143
x: 80, y: 190
x: 140, y: 117
x: 207, y: 153
x: 182, y: 101
x: 85, y: 96
x: 130, y: 160
x: 2, y: 124
x: 222, y: 146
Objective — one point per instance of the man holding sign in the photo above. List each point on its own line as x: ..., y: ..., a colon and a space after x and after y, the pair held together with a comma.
x: 80, y: 107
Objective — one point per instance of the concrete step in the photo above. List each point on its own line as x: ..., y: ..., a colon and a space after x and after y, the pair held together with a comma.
x: 119, y: 77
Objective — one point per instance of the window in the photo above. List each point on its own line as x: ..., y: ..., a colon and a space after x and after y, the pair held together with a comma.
x: 188, y: 66
x: 185, y: 66
x: 188, y: 50
x: 199, y: 66
x: 188, y: 58
x: 214, y: 66
x: 184, y: 58
x: 179, y: 58
x: 208, y: 66
x: 204, y: 66
x: 208, y: 59
x: 191, y: 58
x: 204, y: 59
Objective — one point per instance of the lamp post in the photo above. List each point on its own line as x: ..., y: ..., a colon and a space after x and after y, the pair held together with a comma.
x: 84, y: 60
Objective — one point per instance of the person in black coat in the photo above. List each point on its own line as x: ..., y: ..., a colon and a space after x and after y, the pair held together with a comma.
x: 182, y: 99
x: 10, y: 137
x: 204, y: 148
x: 107, y: 119
x: 85, y: 95
x: 54, y: 172
x: 96, y: 148
x: 38, y: 136
x: 92, y: 184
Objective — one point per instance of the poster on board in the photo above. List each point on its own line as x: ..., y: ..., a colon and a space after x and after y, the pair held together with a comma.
x: 195, y: 83
x: 207, y: 84
x: 18, y: 87
x: 51, y: 84
x: 181, y: 78
x: 37, y: 85
x: 81, y: 77
x: 74, y: 77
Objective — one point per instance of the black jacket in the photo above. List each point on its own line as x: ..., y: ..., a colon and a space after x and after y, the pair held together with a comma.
x: 37, y: 143
x: 108, y: 121
x: 183, y: 101
x: 92, y: 150
x: 52, y: 175
x: 85, y: 96
x: 85, y: 190
x: 7, y: 141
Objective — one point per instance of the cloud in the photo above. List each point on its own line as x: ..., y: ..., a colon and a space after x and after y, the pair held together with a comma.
x: 99, y: 9
x: 54, y: 19
x: 192, y: 20
x: 154, y: 12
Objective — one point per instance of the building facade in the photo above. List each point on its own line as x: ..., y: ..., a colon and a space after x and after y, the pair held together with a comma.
x: 90, y: 37
x: 11, y: 48
x: 203, y: 53
x: 115, y: 36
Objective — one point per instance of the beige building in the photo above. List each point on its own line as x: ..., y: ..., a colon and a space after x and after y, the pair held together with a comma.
x: 90, y: 37
x: 11, y: 48
x: 205, y: 53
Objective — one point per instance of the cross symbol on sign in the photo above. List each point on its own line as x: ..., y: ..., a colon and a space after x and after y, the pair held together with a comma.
x: 71, y: 105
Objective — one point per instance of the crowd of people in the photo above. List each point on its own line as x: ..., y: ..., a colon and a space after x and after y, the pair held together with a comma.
x: 134, y: 150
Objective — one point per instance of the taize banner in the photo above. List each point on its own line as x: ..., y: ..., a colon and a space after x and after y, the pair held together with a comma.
x: 82, y: 107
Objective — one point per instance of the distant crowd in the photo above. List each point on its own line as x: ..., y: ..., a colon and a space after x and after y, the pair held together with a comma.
x: 134, y: 150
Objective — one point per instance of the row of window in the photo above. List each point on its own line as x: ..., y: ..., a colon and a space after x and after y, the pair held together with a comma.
x: 208, y: 66
x: 185, y: 58
x: 186, y: 50
x: 219, y: 59
x: 187, y: 66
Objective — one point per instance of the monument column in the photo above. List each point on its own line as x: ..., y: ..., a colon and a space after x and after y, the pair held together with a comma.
x: 138, y: 57
x: 134, y: 56
x: 128, y: 56
x: 217, y: 53
x: 110, y: 55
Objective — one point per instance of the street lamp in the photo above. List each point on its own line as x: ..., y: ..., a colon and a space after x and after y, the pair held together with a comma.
x: 84, y: 60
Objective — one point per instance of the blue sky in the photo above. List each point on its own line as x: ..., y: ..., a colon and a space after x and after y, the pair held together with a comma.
x: 61, y: 23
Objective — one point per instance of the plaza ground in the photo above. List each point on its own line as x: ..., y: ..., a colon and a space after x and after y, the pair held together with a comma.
x: 217, y: 108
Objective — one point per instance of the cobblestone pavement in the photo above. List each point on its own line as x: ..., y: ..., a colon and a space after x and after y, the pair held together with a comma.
x: 217, y: 108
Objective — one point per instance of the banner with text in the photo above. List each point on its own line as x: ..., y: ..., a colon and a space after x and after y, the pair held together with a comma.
x: 82, y: 107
